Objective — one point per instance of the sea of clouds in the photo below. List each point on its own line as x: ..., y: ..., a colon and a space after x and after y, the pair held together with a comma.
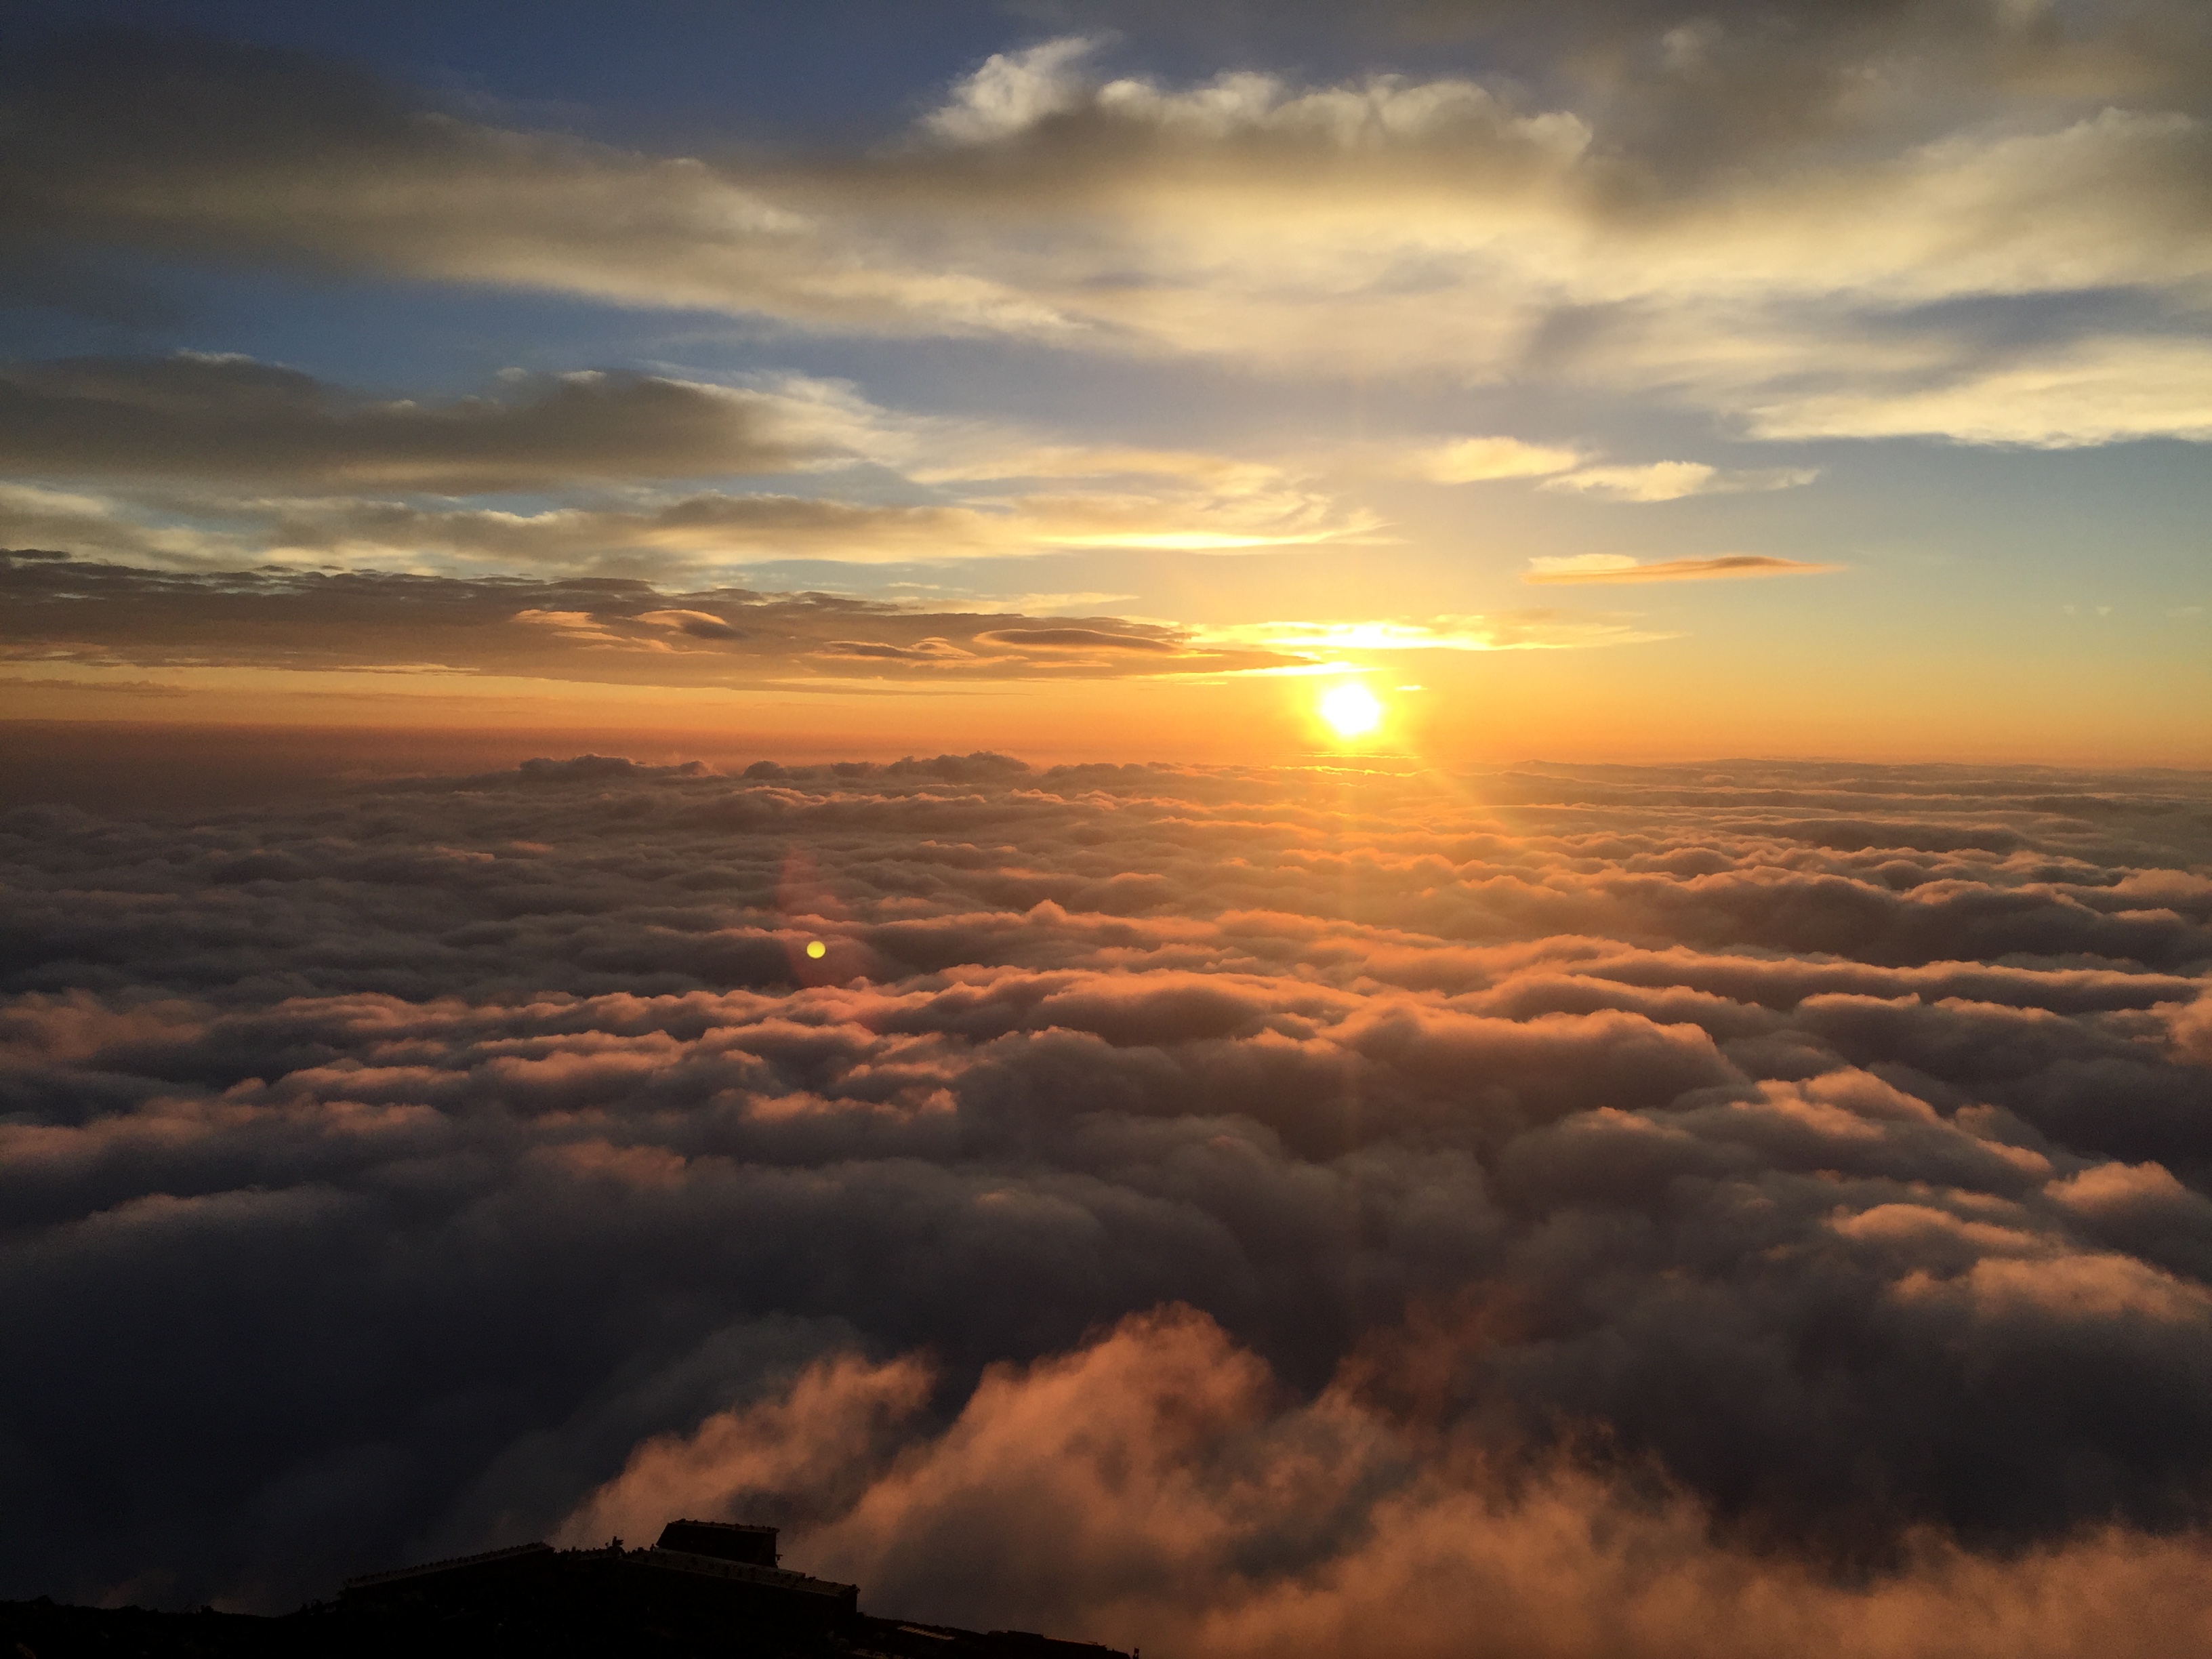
x: 1346, y: 1209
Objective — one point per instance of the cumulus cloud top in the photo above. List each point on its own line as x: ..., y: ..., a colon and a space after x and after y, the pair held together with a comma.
x: 1628, y: 1191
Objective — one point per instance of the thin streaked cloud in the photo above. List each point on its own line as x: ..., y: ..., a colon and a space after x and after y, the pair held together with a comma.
x: 1620, y: 568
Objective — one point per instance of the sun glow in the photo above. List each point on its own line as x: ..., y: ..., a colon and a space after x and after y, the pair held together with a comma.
x: 1350, y: 710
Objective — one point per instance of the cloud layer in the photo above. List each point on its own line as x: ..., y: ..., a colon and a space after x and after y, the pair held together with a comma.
x: 1311, y: 1210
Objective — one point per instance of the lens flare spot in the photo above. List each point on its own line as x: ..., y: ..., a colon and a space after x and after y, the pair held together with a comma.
x: 816, y: 949
x: 1350, y: 710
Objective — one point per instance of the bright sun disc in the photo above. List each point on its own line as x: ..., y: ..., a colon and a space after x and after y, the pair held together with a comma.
x: 1352, y: 710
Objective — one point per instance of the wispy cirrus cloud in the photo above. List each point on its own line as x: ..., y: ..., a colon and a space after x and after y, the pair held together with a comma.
x: 1671, y: 481
x: 1520, y: 630
x: 1477, y: 460
x: 1620, y: 568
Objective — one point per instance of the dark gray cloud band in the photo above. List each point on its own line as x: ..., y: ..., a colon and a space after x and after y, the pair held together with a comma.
x: 231, y: 420
x: 598, y: 629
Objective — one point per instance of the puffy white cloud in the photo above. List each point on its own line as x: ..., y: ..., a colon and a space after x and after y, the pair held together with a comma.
x: 1586, y: 567
x: 1012, y: 91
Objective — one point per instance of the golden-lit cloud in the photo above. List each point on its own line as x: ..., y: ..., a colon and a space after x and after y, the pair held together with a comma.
x: 1475, y: 460
x: 1522, y: 631
x: 1670, y: 481
x: 1143, y: 1483
x: 1620, y: 568
x: 1080, y: 639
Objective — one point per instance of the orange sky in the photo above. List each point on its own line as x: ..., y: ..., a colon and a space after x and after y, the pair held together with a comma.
x: 1658, y: 701
x: 1639, y: 388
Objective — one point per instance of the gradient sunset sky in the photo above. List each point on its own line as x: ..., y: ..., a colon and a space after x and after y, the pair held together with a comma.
x: 1606, y: 378
x: 670, y: 842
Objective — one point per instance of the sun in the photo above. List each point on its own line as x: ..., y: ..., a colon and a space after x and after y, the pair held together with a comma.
x: 1350, y: 710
